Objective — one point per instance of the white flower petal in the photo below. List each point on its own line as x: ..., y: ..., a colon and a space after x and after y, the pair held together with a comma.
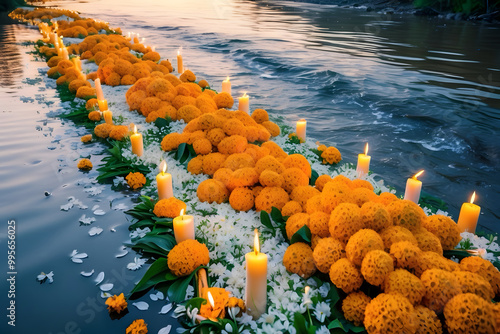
x: 165, y: 309
x: 50, y: 277
x: 41, y: 277
x: 105, y: 294
x: 165, y: 330
x: 143, y: 306
x: 95, y: 207
x: 99, y: 278
x: 95, y: 231
x: 106, y: 287
x: 87, y: 274
x: 73, y: 253
x: 153, y: 297
x: 123, y: 252
x: 160, y: 295
x: 80, y: 256
x: 99, y: 212
x: 76, y: 260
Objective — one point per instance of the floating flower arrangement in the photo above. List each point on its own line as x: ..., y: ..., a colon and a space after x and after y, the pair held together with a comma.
x: 335, y: 250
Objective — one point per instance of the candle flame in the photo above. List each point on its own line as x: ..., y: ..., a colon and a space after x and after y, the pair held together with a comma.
x: 473, y: 197
x: 301, y: 120
x: 418, y: 174
x: 182, y: 212
x: 256, y: 245
x: 211, y: 299
x: 227, y: 79
x: 163, y: 167
x: 179, y: 52
x: 245, y: 94
x: 366, y: 149
x: 135, y: 129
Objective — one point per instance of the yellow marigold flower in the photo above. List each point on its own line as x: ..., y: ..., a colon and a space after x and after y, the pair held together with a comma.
x: 331, y: 155
x: 269, y: 178
x: 290, y: 208
x: 375, y: 216
x: 362, y: 242
x: 137, y: 327
x: 407, y: 214
x: 361, y: 196
x: 319, y: 223
x: 195, y: 165
x: 375, y: 266
x: 212, y: 162
x: 354, y: 306
x: 202, y: 146
x: 128, y: 79
x: 273, y: 128
x: 269, y: 197
x: 203, y: 83
x: 152, y: 55
x: 180, y: 101
x: 215, y: 136
x: 243, y: 177
x: 385, y: 198
x: 85, y: 92
x: 406, y: 254
x: 321, y: 147
x: 432, y: 260
x: 333, y: 194
x: 86, y: 138
x: 269, y: 163
x: 187, y: 76
x: 394, y: 234
x: 224, y: 175
x: 427, y: 241
x: 242, y: 199
x: 294, y: 177
x: 321, y: 181
x: 408, y: 285
x: 485, y: 268
x: 345, y: 221
x: 345, y: 275
x: 239, y: 160
x: 298, y: 259
x: 188, y: 113
x: 95, y: 116
x: 476, y: 284
x: 220, y: 298
x: 295, y: 222
x: 224, y: 100
x: 77, y: 83
x: 260, y: 115
x: 169, y: 207
x: 275, y: 150
x: 212, y: 191
x: 358, y: 183
x: 326, y: 252
x: 186, y: 256
x: 135, y: 180
x: 119, y: 132
x: 298, y: 161
x: 233, y: 144
x: 468, y: 313
x: 445, y: 229
x: 390, y: 314
x: 116, y: 303
x: 440, y: 287
x: 84, y: 164
x: 233, y: 126
x: 427, y: 321
x: 103, y: 130
x: 171, y: 141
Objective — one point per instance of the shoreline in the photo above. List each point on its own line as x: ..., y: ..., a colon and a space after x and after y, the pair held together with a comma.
x: 397, y: 7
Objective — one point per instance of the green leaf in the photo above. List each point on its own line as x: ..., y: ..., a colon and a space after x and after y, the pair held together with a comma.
x: 276, y: 215
x: 333, y: 295
x: 265, y: 220
x: 155, y: 274
x: 177, y: 291
x: 458, y: 253
x: 314, y: 176
x: 180, y: 151
x: 299, y: 322
x: 302, y: 235
x: 336, y: 324
x: 162, y: 122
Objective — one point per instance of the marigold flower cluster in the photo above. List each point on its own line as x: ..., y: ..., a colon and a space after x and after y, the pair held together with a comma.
x: 137, y: 327
x: 135, y: 180
x: 116, y: 303
x: 84, y: 164
x: 186, y: 256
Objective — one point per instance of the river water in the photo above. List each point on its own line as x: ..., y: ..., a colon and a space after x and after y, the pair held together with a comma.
x: 424, y: 93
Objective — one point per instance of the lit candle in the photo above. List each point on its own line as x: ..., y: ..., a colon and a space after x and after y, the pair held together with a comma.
x: 183, y: 227
x: 226, y: 86
x: 180, y: 68
x: 300, y: 129
x: 107, y: 115
x: 413, y: 188
x: 98, y: 90
x: 256, y: 283
x: 137, y: 143
x: 363, y: 163
x: 164, y: 182
x: 244, y: 102
x: 103, y: 104
x: 469, y: 214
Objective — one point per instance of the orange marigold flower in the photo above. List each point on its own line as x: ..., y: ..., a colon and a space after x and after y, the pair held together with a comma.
x: 233, y: 144
x: 103, y: 130
x: 135, y: 180
x: 212, y: 162
x: 440, y: 287
x: 427, y: 241
x: 220, y: 298
x: 291, y: 208
x: 407, y: 214
x: 212, y: 191
x: 333, y: 194
x: 406, y: 254
x: 405, y: 283
x: 269, y: 163
x: 444, y: 228
x: 186, y: 256
x: 331, y: 156
x: 269, y: 197
x: 169, y: 207
x: 362, y: 242
x: 116, y: 303
x: 243, y: 177
x: 195, y: 165
x: 476, y: 284
x: 95, y: 116
x: 390, y: 314
x: 137, y: 327
x: 345, y: 275
x: 119, y: 132
x: 273, y: 128
x: 239, y: 160
x: 86, y: 138
x: 260, y: 115
x: 188, y: 113
x: 269, y: 178
x: 345, y: 221
x: 294, y: 177
x: 321, y: 181
x: 468, y: 313
x: 375, y: 216
x: 202, y: 146
x: 298, y: 161
x: 394, y: 234
x: 354, y: 306
x: 485, y: 268
x: 84, y: 164
x: 215, y: 136
x: 427, y: 321
x: 326, y: 252
x: 224, y: 100
x: 361, y: 196
x: 275, y: 150
x: 295, y: 222
x: 242, y: 199
x: 318, y: 223
x: 298, y: 259
x: 171, y: 141
x: 375, y: 266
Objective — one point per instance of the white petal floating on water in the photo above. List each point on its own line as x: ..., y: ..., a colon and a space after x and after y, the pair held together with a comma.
x: 87, y: 273
x: 86, y: 220
x: 99, y: 278
x: 120, y: 206
x: 50, y: 277
x: 73, y: 253
x: 95, y: 231
x: 105, y: 295
x: 160, y: 295
x: 153, y: 297
x: 123, y: 252
x: 95, y: 207
x: 143, y: 306
x: 99, y: 212
x: 165, y: 330
x: 165, y: 309
x: 75, y: 260
x: 137, y: 264
x: 41, y: 277
x: 106, y: 287
x: 80, y: 256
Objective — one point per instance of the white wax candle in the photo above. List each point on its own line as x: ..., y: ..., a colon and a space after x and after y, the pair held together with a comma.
x: 363, y: 166
x: 164, y: 182
x: 244, y: 103
x: 413, y: 188
x: 256, y: 280
x: 98, y: 90
x: 108, y: 116
x: 300, y: 129
x: 469, y: 215
x: 180, y: 68
x: 137, y: 143
x: 183, y: 227
x: 226, y: 86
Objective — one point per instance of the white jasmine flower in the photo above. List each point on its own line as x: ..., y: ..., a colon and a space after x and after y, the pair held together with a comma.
x: 323, y: 330
x: 137, y: 264
x: 322, y: 311
x: 43, y: 276
x: 139, y: 233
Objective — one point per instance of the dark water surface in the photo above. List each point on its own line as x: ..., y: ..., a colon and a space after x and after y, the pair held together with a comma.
x: 423, y: 92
